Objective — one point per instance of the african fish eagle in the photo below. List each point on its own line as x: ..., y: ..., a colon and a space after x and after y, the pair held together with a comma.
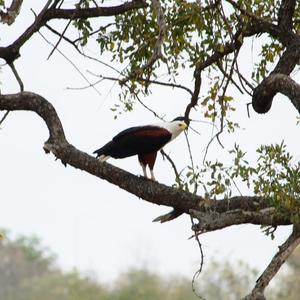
x: 143, y: 141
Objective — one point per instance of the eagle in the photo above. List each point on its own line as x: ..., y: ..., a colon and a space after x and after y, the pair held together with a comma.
x: 143, y: 141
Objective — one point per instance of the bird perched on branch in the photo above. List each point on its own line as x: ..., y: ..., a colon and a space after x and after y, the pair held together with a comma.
x: 143, y: 141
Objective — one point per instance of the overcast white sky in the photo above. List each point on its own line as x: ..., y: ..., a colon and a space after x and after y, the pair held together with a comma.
x: 89, y: 223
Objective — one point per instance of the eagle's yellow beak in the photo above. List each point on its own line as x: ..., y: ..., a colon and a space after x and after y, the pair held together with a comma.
x: 183, y: 125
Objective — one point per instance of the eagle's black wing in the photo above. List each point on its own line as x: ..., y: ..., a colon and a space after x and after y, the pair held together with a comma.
x: 136, y: 140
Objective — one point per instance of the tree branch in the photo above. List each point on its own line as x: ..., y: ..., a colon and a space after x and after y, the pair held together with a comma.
x: 84, y: 13
x: 12, y: 52
x: 211, y: 220
x: 285, y: 250
x: 285, y: 15
x: 275, y: 83
x: 150, y: 191
x: 12, y: 12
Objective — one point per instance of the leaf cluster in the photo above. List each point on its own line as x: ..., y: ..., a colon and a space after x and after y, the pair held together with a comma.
x: 274, y: 177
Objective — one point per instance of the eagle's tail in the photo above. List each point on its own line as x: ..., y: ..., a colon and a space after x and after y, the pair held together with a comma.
x: 102, y: 153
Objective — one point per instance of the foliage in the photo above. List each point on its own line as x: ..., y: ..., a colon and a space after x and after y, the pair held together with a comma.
x: 275, y: 177
x: 195, y: 32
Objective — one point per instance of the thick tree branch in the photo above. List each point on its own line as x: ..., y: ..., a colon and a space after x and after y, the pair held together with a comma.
x: 289, y: 59
x: 12, y: 52
x: 285, y: 15
x: 84, y: 13
x: 275, y: 83
x: 278, y: 260
x: 260, y: 25
x: 12, y: 12
x: 211, y: 220
x: 153, y: 192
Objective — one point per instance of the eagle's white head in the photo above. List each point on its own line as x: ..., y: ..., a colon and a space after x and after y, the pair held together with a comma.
x: 175, y: 127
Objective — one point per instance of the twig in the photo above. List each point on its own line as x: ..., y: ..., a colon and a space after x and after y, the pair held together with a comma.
x: 73, y: 43
x: 20, y: 82
x: 248, y: 112
x: 147, y: 107
x: 70, y: 61
x: 85, y: 87
x: 198, y: 272
x: 165, y: 155
x: 166, y: 84
x: 230, y: 78
x: 243, y: 80
x: 4, y: 117
x: 93, y: 32
x: 59, y: 40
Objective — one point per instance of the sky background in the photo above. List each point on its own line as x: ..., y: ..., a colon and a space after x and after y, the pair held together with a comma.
x: 91, y: 224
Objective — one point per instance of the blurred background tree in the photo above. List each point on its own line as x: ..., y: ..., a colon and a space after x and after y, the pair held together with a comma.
x: 28, y: 270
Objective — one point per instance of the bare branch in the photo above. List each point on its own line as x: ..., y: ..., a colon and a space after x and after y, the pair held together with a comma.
x: 141, y: 79
x: 285, y: 250
x: 20, y: 82
x: 4, y: 117
x: 59, y: 40
x: 170, y: 160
